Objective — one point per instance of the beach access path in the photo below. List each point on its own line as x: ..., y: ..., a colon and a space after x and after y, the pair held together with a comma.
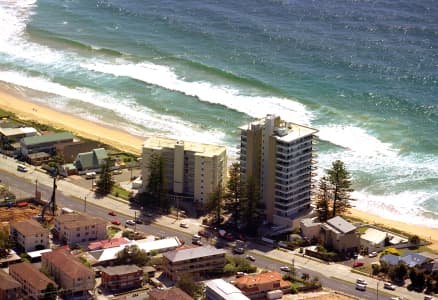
x: 121, y: 207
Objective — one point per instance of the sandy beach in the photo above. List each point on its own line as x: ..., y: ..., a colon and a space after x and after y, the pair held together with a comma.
x: 30, y: 110
x: 127, y: 142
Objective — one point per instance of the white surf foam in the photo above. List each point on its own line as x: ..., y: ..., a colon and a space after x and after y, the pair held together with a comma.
x: 125, y: 108
x: 165, y: 77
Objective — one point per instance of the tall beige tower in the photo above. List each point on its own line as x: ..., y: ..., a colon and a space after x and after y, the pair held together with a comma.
x: 192, y: 170
x: 279, y: 156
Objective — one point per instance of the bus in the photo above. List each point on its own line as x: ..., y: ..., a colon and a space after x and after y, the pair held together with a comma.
x: 21, y: 168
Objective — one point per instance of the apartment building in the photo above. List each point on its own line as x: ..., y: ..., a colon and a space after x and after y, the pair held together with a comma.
x: 197, y: 262
x: 33, y: 282
x: 259, y: 285
x: 69, y: 273
x: 279, y: 157
x: 79, y: 228
x: 192, y: 170
x: 125, y: 277
x: 30, y: 235
x: 10, y: 289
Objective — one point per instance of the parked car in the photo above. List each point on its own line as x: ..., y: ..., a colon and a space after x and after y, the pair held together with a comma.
x: 111, y: 213
x: 115, y: 222
x: 183, y: 225
x: 138, y: 221
x: 372, y: 254
x: 285, y: 268
x: 357, y: 264
x: 427, y: 297
x: 389, y: 286
x: 203, y: 233
x: 250, y: 257
x: 238, y: 250
x: 130, y: 222
x: 361, y: 281
x: 361, y: 287
x: 197, y: 242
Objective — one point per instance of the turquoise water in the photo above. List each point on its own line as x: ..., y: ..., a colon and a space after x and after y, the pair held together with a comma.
x: 364, y: 73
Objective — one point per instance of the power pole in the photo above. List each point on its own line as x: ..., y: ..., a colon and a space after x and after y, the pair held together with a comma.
x: 85, y: 204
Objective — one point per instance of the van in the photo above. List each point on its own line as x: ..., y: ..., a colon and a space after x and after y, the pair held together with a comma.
x: 90, y: 175
x: 361, y: 287
x: 21, y: 168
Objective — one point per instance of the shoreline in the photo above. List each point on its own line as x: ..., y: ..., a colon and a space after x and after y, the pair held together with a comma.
x: 30, y: 110
x: 122, y: 140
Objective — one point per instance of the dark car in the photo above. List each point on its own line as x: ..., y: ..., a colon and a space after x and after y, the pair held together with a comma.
x: 138, y: 221
x: 111, y: 213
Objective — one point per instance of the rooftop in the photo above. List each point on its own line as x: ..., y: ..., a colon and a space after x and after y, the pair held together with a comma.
x: 225, y: 290
x: 17, y: 131
x: 78, y: 220
x: 49, y: 138
x: 104, y: 244
x: 121, y: 270
x: 341, y: 225
x: 7, y: 282
x: 67, y: 263
x: 30, y: 274
x: 29, y: 227
x: 374, y: 235
x: 206, y: 150
x: 170, y: 294
x: 198, y: 252
x: 262, y: 278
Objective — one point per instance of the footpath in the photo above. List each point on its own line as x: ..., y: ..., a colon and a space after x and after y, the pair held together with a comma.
x: 336, y: 271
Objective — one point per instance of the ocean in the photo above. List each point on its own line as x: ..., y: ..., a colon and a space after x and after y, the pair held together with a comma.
x: 362, y: 72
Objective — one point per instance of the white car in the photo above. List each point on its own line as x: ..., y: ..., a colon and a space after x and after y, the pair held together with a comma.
x: 130, y: 222
x: 372, y: 254
x: 361, y: 287
x: 184, y: 225
x: 361, y: 281
x: 285, y: 268
x: 389, y: 286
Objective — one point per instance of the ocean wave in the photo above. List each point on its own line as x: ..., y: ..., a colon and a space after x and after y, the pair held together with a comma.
x: 252, y: 105
x: 126, y: 109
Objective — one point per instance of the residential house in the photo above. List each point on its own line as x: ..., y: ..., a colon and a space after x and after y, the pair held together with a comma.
x: 197, y: 262
x: 11, y: 135
x: 126, y: 277
x: 111, y: 243
x: 38, y: 158
x: 43, y: 143
x: 10, y: 289
x: 169, y: 294
x: 69, y: 273
x: 29, y: 235
x: 340, y: 235
x: 409, y: 259
x: 92, y: 160
x: 259, y: 285
x: 219, y: 289
x: 33, y: 282
x: 280, y: 157
x: 79, y: 228
x: 70, y: 150
x: 192, y: 170
x: 373, y: 239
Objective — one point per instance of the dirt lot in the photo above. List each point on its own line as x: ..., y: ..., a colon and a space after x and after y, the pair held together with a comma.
x: 13, y: 214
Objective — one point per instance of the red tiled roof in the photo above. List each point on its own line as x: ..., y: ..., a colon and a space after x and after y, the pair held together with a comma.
x: 30, y: 274
x: 261, y: 279
x: 170, y: 294
x: 67, y: 263
x: 104, y: 244
x: 7, y: 282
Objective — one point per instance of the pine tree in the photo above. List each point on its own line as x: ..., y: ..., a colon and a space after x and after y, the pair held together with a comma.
x: 156, y: 185
x: 105, y: 182
x: 234, y: 192
x: 250, y: 202
x: 340, y: 181
x: 323, y: 200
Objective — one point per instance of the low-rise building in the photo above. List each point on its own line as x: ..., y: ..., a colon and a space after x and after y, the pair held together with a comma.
x: 30, y: 235
x: 105, y: 244
x: 11, y: 135
x: 169, y: 294
x: 10, y: 289
x: 219, y: 289
x: 310, y: 228
x: 43, y: 143
x: 79, y: 228
x: 197, y: 262
x: 33, y: 282
x: 70, y: 150
x: 340, y: 235
x: 91, y: 160
x: 69, y: 273
x: 258, y: 285
x: 125, y: 277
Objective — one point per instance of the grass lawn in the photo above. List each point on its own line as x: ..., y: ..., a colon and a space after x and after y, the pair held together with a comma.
x: 120, y: 192
x: 111, y: 231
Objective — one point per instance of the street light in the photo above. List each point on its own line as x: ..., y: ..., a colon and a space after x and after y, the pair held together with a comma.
x: 85, y: 204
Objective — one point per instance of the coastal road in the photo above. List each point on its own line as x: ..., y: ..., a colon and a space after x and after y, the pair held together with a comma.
x: 26, y: 186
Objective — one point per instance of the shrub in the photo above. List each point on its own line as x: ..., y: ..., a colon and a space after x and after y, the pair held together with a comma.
x: 293, y: 290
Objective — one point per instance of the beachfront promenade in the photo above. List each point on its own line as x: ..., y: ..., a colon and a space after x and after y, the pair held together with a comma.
x: 334, y: 271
